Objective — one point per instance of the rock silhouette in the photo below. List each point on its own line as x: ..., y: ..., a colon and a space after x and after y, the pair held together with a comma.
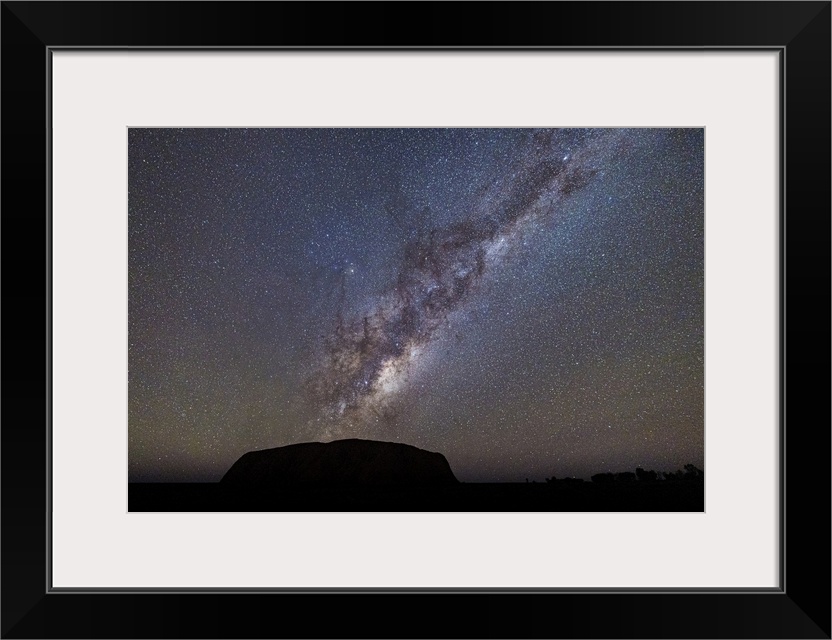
x: 341, y: 463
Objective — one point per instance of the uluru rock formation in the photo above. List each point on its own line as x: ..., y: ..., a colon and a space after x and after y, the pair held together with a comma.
x: 350, y: 462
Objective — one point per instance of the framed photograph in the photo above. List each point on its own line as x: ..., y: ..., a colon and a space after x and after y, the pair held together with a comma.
x: 495, y: 312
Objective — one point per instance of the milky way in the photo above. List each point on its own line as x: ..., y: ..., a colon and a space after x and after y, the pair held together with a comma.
x: 367, y: 358
x: 528, y: 302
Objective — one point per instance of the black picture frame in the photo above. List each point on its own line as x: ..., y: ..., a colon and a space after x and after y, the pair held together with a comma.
x: 799, y: 608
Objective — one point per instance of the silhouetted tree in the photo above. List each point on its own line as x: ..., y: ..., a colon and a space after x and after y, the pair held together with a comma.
x: 646, y: 476
x: 603, y: 477
x: 625, y: 476
x: 692, y: 473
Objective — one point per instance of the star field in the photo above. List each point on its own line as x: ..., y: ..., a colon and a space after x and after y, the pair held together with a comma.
x: 527, y: 302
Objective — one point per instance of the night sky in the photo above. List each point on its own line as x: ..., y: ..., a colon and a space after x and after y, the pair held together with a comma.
x: 526, y: 302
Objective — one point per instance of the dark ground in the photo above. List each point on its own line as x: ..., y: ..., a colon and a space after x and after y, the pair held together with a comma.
x: 484, y: 497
